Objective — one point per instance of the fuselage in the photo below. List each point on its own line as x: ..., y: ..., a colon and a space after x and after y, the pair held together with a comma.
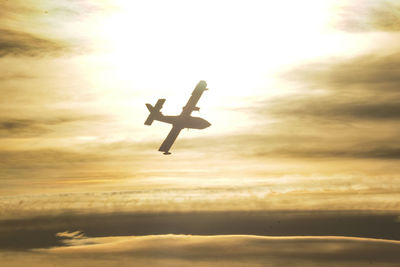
x: 185, y: 121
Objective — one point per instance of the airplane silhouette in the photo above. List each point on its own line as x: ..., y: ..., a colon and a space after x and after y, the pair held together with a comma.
x: 184, y: 120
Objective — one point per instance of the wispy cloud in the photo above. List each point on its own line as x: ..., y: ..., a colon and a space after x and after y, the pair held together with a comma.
x: 67, y: 10
x: 42, y: 29
x: 346, y: 108
x: 71, y: 235
x: 17, y: 43
x: 376, y: 72
x: 365, y: 15
x: 15, y: 127
x: 332, y: 107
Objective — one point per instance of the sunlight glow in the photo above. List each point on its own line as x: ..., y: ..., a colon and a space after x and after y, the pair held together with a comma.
x: 233, y: 45
x: 234, y: 41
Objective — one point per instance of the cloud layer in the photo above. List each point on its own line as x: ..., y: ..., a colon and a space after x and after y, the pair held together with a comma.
x: 224, y: 250
x: 49, y: 230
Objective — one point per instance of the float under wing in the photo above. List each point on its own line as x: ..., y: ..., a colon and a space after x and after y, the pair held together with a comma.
x: 169, y: 141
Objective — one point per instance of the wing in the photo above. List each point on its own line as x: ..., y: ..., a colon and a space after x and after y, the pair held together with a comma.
x: 191, y: 104
x: 169, y: 141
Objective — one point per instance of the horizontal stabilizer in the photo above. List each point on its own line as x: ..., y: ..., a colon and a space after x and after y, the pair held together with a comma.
x: 159, y: 104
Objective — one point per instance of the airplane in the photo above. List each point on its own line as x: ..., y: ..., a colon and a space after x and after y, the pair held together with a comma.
x: 184, y: 120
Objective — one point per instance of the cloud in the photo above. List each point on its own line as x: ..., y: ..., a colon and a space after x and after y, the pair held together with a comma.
x: 38, y: 29
x: 331, y: 107
x: 305, y: 142
x: 361, y: 88
x: 71, y: 235
x: 372, y: 72
x: 48, y: 230
x: 355, y: 152
x: 45, y: 158
x: 19, y: 127
x: 16, y: 43
x: 346, y: 108
x: 242, y: 249
x: 365, y: 15
x: 222, y: 250
x: 26, y: 8
x: 16, y: 127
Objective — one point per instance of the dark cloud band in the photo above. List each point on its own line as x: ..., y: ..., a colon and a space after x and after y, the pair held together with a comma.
x: 15, y: 43
x: 42, y: 232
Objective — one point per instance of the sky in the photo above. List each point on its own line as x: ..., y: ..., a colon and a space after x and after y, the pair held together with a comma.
x: 303, y: 149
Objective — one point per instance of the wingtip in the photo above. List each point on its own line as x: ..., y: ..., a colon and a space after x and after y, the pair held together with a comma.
x: 203, y: 83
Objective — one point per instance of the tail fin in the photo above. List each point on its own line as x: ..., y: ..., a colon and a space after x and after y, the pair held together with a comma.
x: 154, y: 111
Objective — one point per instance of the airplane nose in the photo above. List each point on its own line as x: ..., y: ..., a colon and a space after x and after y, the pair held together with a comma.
x: 208, y: 124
